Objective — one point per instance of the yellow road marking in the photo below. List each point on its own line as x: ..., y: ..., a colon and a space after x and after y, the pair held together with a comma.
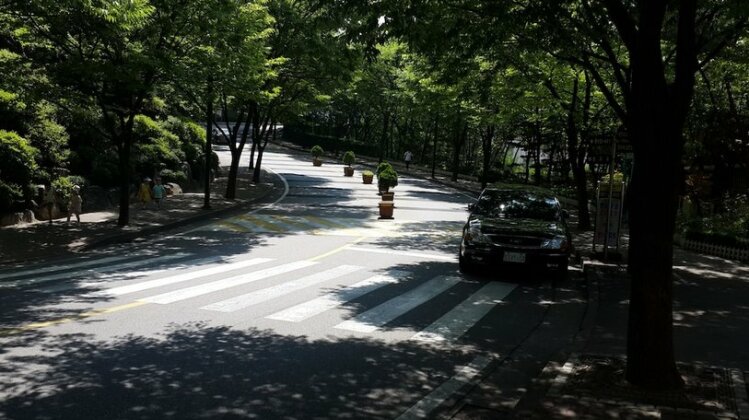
x: 339, y: 249
x: 234, y: 226
x: 262, y: 223
x: 293, y: 222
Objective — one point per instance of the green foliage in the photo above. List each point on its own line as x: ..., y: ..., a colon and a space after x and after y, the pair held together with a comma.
x: 155, y: 147
x: 387, y: 178
x: 382, y: 166
x: 732, y: 222
x: 63, y: 186
x: 8, y: 194
x: 349, y: 158
x: 178, y: 177
x: 51, y: 139
x: 316, y: 151
x: 192, y: 139
x: 18, y: 159
x: 367, y: 173
x: 104, y: 169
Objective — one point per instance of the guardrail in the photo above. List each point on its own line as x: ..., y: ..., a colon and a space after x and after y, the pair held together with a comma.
x: 732, y: 253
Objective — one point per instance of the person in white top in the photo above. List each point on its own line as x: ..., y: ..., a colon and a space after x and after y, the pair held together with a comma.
x: 407, y: 157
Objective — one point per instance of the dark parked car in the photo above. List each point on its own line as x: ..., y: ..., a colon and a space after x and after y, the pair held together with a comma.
x: 516, y: 227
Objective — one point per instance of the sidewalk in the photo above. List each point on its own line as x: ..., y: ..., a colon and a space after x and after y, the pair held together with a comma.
x: 41, y: 241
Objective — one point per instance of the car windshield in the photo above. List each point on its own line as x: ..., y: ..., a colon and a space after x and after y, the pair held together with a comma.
x: 517, y: 205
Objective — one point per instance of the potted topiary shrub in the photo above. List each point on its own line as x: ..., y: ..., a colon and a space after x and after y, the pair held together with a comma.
x: 349, y: 158
x: 316, y: 152
x: 387, y: 179
x: 367, y: 177
x: 381, y: 167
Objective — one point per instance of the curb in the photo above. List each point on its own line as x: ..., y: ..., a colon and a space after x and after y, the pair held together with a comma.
x: 208, y: 215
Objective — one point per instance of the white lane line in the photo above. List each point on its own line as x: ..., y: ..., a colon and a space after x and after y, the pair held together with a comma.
x: 61, y: 267
x: 132, y: 288
x: 465, y: 315
x: 264, y: 295
x: 440, y: 257
x: 331, y: 300
x: 378, y: 316
x: 436, y: 398
x: 230, y: 282
x: 93, y: 271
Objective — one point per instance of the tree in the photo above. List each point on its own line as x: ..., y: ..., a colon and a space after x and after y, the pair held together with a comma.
x: 231, y: 58
x: 653, y: 50
x: 113, y: 54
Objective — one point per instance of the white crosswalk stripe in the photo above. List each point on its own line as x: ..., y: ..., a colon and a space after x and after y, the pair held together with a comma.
x: 331, y: 300
x: 378, y: 316
x: 53, y: 268
x: 465, y: 315
x: 227, y: 283
x: 93, y: 271
x: 151, y: 284
x: 264, y: 295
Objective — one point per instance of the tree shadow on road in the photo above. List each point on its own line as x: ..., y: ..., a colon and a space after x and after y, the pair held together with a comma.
x: 194, y: 371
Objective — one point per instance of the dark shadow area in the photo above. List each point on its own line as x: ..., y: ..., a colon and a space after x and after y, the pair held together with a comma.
x: 200, y: 372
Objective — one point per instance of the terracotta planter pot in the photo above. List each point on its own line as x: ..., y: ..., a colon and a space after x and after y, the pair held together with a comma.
x: 348, y: 171
x: 367, y: 179
x: 386, y: 209
x: 317, y: 162
x: 388, y: 196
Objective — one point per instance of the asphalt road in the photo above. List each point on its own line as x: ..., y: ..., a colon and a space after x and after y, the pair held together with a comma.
x: 307, y: 306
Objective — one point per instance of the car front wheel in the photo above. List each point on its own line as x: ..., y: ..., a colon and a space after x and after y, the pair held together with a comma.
x: 465, y: 265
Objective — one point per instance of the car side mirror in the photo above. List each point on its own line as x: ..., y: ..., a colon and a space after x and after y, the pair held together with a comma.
x: 471, y: 207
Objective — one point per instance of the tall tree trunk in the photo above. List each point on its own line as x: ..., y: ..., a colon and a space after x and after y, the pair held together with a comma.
x: 537, y: 151
x: 208, y: 147
x: 657, y: 112
x: 650, y: 349
x: 384, y: 137
x: 261, y: 151
x: 486, y: 144
x: 576, y: 157
x: 460, y: 138
x: 124, y: 168
x: 236, y: 155
x: 231, y: 181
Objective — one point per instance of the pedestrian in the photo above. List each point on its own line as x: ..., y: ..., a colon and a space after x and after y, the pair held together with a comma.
x: 144, y: 192
x: 75, y: 204
x: 407, y: 157
x: 50, y: 199
x: 159, y: 192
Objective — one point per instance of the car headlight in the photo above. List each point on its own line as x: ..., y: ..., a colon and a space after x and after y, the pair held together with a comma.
x: 558, y: 242
x: 473, y: 234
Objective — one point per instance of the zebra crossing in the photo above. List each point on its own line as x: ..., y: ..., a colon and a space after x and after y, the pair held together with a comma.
x: 293, y: 293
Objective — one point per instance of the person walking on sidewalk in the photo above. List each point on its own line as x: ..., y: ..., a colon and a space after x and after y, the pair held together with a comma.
x: 159, y: 192
x: 50, y: 199
x: 75, y: 204
x: 144, y: 193
x: 407, y: 157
